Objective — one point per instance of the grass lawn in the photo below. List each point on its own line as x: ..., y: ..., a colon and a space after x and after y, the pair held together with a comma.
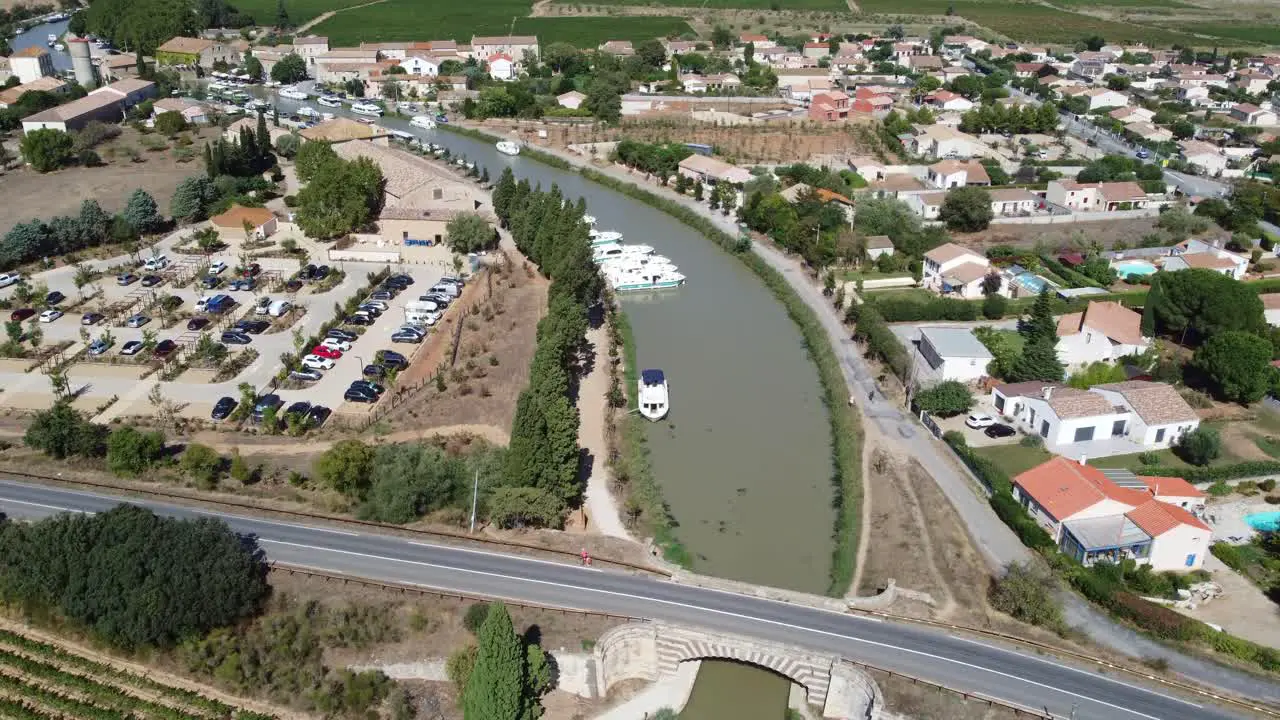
x: 911, y: 293
x: 1167, y: 458
x: 1014, y: 459
x: 853, y: 275
x: 413, y: 20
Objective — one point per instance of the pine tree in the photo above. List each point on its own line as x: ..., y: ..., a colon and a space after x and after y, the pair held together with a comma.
x: 1039, y: 361
x: 495, y: 689
x: 282, y: 15
x: 1041, y: 325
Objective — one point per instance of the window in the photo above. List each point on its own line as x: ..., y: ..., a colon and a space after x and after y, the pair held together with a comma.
x: 1044, y: 428
x: 1160, y: 435
x: 1117, y: 429
x: 1000, y: 403
x: 1084, y: 434
x: 437, y: 193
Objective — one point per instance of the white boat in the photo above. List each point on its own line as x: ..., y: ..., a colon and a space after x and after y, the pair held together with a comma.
x: 508, y: 147
x: 604, y: 252
x: 654, y: 395
x: 366, y: 109
x: 329, y: 101
x: 657, y: 279
x: 604, y: 238
x: 60, y: 47
x: 589, y: 219
x: 422, y: 121
x: 292, y: 93
x: 635, y: 261
x: 52, y: 38
x: 402, y: 135
x: 307, y: 111
x: 327, y: 116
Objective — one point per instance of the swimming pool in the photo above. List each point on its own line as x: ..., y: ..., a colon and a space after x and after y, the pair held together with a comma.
x: 1264, y: 522
x: 1031, y: 281
x: 1126, y: 268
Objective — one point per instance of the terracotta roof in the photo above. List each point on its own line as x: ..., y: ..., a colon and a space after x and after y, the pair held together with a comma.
x: 1207, y: 261
x: 1122, y: 191
x: 1271, y: 301
x: 1070, y: 402
x: 339, y: 130
x: 1156, y: 403
x: 948, y: 252
x: 30, y: 52
x: 1012, y: 195
x: 1062, y: 487
x: 1157, y: 518
x: 1170, y: 487
x: 1029, y: 388
x: 186, y: 45
x: 237, y: 215
x: 879, y: 242
x: 47, y: 83
x: 1112, y: 319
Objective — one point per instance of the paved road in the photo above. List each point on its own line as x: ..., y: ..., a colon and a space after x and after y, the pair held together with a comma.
x: 962, y: 663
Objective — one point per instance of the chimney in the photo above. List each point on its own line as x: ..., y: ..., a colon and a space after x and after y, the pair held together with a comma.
x: 1046, y: 392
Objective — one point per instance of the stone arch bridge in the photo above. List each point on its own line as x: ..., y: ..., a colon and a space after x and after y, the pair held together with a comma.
x: 650, y: 650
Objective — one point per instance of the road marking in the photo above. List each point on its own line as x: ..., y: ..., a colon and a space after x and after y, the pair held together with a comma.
x: 489, y: 553
x: 319, y: 528
x: 47, y: 507
x: 766, y: 621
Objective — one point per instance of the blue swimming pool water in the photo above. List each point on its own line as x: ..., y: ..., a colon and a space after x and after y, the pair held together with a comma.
x: 1267, y: 521
x: 1134, y: 267
x: 1031, y: 281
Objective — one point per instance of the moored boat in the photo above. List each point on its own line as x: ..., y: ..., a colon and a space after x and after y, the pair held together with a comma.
x: 655, y: 396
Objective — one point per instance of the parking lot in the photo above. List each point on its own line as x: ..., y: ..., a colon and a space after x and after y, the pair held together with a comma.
x: 95, y: 381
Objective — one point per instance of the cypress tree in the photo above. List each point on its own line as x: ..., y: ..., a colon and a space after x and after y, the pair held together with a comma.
x: 264, y: 139
x: 495, y: 689
x: 1154, y: 298
x: 503, y: 194
x: 1039, y: 361
x: 209, y: 168
x: 1041, y: 325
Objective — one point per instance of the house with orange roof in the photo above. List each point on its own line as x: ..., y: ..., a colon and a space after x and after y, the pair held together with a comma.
x: 239, y: 220
x: 1104, y: 332
x: 1112, y: 419
x: 1103, y: 515
x: 954, y: 269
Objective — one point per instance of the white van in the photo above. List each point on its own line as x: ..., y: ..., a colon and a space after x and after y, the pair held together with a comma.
x: 157, y: 262
x: 279, y: 308
x: 449, y: 289
x: 422, y: 306
x: 414, y: 317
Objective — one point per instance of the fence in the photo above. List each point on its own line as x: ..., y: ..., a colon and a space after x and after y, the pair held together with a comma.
x: 1076, y: 217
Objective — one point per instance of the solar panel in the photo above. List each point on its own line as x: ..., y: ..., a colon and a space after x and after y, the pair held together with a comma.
x: 1124, y: 478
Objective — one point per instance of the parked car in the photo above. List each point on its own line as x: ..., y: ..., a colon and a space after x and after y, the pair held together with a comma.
x: 260, y: 307
x: 399, y: 282
x: 416, y: 330
x: 99, y: 346
x: 358, y: 320
x: 1143, y: 154
x: 91, y: 318
x: 308, y: 272
x: 49, y: 316
x: 315, y: 362
x: 246, y: 284
x: 401, y: 336
x: 381, y: 295
x: 131, y: 348
x: 126, y: 279
x: 341, y: 334
x: 21, y: 314
x: 326, y: 352
x: 216, y: 267
x: 370, y: 310
x: 253, y: 327
x: 321, y: 273
x: 979, y: 420
x: 210, y: 282
x: 172, y: 302
x: 456, y: 281
x: 7, y: 279
x: 299, y: 408
x: 374, y: 371
x: 999, y: 431
x: 369, y: 385
x: 318, y: 414
x: 265, y: 403
x: 354, y: 394
x: 137, y: 321
x: 306, y: 374
x: 232, y: 337
x: 336, y: 344
x: 293, y: 286
x: 252, y: 270
x: 156, y: 263
x: 164, y: 348
x: 438, y: 298
x: 197, y: 323
x: 392, y: 359
x: 223, y: 408
x: 376, y: 304
x: 151, y: 280
x: 54, y: 298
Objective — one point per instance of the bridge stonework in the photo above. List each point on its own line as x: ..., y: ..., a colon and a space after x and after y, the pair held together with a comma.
x: 647, y: 651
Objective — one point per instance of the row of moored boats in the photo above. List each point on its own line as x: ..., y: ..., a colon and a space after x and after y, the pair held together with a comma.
x: 631, y: 268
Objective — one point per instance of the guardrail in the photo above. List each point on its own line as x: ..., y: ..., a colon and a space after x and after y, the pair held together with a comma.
x: 334, y: 519
x: 1018, y: 710
x: 1098, y: 662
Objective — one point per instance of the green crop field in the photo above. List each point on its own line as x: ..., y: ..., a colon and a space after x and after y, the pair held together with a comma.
x: 1124, y: 3
x: 412, y: 20
x: 1246, y: 31
x: 795, y: 5
x: 300, y: 11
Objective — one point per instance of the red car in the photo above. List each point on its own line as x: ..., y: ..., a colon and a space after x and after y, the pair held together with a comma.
x: 21, y: 314
x: 325, y: 352
x: 253, y: 270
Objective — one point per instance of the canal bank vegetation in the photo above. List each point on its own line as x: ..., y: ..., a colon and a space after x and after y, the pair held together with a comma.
x: 643, y: 502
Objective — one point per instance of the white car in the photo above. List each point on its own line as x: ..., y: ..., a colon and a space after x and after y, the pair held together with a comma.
x: 216, y: 267
x: 315, y: 362
x: 7, y: 279
x: 336, y: 344
x: 978, y: 420
x: 376, y: 303
x: 49, y: 316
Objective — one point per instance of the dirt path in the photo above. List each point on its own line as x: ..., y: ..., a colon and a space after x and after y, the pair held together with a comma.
x: 870, y: 440
x: 325, y: 16
x: 603, y: 515
x: 218, y: 441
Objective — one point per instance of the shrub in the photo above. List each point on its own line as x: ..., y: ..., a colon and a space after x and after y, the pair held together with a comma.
x: 1219, y: 489
x: 1229, y: 555
x: 460, y: 664
x: 1149, y: 458
x: 1267, y: 485
x: 1200, y: 446
x: 1031, y: 441
x: 89, y: 158
x: 1159, y: 620
x: 946, y: 399
x: 1028, y: 593
x: 475, y: 616
x: 1217, y: 473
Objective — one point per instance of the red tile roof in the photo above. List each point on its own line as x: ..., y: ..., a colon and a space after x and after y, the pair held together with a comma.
x: 1064, y: 487
x: 1170, y: 487
x: 1157, y: 518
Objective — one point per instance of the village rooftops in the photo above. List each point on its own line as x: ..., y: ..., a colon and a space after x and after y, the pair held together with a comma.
x: 879, y: 242
x: 1112, y: 319
x: 1156, y: 403
x: 311, y: 40
x: 186, y: 46
x: 1069, y: 403
x: 947, y: 252
x: 34, y: 51
x: 504, y: 40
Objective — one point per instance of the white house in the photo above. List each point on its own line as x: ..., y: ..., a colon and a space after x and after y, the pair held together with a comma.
x: 1113, y: 419
x: 954, y: 173
x: 1270, y: 307
x: 955, y: 269
x: 878, y: 245
x: 191, y: 111
x: 1098, y: 97
x: 1007, y: 202
x: 1096, y: 197
x: 1097, y: 515
x: 940, y: 141
x: 950, y: 353
x: 427, y: 65
x: 30, y: 63
x: 1251, y: 114
x: 1207, y: 256
x: 1208, y: 158
x: 1104, y: 332
x: 709, y: 169
x: 502, y: 67
x: 927, y: 205
x: 947, y: 100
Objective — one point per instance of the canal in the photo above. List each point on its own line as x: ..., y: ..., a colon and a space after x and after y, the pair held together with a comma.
x: 38, y: 36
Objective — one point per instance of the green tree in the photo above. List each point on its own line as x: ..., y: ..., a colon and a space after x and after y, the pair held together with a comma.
x: 342, y: 198
x: 170, y: 123
x: 202, y: 464
x: 1237, y: 365
x: 604, y: 100
x: 1196, y: 304
x: 288, y: 145
x: 495, y: 688
x: 1040, y: 325
x: 290, y: 69
x: 1028, y: 592
x: 142, y: 213
x: 525, y: 507
x: 1200, y: 446
x: 967, y: 209
x: 1039, y: 361
x: 468, y: 233
x: 311, y: 157
x: 410, y: 480
x: 346, y: 467
x: 191, y: 198
x: 251, y: 65
x: 131, y: 452
x: 945, y: 399
x: 61, y: 432
x: 46, y: 150
x: 1097, y: 373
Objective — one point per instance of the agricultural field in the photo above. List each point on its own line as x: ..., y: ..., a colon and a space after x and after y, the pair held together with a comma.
x: 412, y: 20
x: 300, y: 11
x: 783, y: 5
x: 1245, y: 31
x: 43, y: 682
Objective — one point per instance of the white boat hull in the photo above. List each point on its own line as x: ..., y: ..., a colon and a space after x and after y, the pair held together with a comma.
x: 654, y: 397
x: 506, y: 147
x: 638, y: 286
